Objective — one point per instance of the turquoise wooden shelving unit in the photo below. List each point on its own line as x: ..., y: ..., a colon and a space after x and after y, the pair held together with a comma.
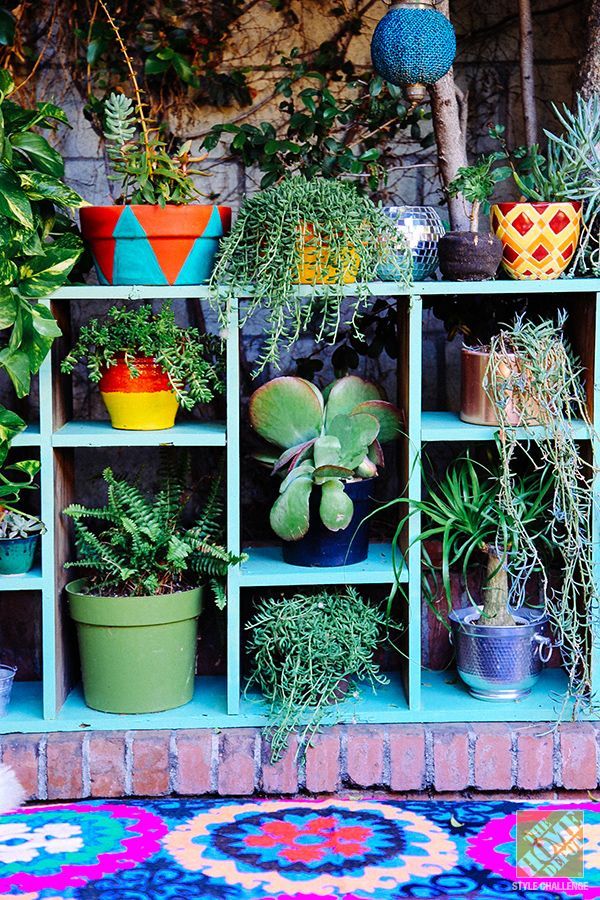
x: 56, y: 703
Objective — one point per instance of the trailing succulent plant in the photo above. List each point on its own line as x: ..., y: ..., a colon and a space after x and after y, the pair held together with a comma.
x: 193, y: 361
x: 307, y: 652
x: 320, y: 233
x: 327, y: 439
x: 141, y: 161
x: 142, y: 545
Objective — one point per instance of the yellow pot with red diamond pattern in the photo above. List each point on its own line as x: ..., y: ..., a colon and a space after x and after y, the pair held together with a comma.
x: 538, y: 239
x: 141, y: 402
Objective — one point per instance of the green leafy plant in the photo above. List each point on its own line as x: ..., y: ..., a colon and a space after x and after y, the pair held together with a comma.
x: 142, y: 546
x: 38, y: 243
x: 139, y: 156
x: 307, y: 651
x: 547, y: 389
x: 321, y: 231
x: 324, y: 133
x: 14, y: 478
x: 192, y: 361
x: 476, y: 184
x: 462, y: 511
x: 327, y: 439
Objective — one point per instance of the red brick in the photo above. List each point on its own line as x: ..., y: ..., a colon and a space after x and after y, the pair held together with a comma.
x: 535, y: 768
x: 493, y: 756
x: 21, y: 753
x: 64, y: 760
x: 107, y: 763
x: 323, y: 762
x: 151, y: 763
x: 578, y: 755
x: 194, y: 760
x: 407, y: 757
x: 450, y: 757
x: 365, y: 755
x: 280, y: 777
x: 236, y: 761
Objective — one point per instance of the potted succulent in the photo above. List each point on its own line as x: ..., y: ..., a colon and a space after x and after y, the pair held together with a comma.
x: 331, y: 445
x: 540, y: 231
x: 19, y: 531
x: 155, y: 234
x: 473, y: 255
x: 500, y: 643
x: 137, y: 609
x: 319, y: 233
x: 307, y: 652
x: 147, y: 366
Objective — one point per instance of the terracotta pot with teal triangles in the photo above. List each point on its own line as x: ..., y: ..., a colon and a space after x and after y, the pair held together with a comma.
x: 154, y: 245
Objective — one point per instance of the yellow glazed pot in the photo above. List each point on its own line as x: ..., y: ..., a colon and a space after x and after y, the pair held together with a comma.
x: 143, y: 403
x: 315, y: 265
x: 538, y: 239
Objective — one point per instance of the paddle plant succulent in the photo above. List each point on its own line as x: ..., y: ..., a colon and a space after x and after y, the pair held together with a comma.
x: 327, y: 439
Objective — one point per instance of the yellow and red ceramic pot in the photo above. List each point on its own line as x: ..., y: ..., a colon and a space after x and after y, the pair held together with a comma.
x: 145, y: 402
x: 317, y: 264
x: 538, y: 239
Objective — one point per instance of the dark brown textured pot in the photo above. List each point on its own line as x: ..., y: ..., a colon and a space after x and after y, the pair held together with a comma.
x: 466, y: 256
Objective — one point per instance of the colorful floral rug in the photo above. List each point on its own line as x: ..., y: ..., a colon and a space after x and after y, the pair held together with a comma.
x: 300, y: 850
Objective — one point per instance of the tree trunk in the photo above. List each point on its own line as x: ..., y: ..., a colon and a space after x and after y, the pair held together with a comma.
x: 589, y: 67
x: 450, y: 137
x: 526, y: 56
x: 495, y: 592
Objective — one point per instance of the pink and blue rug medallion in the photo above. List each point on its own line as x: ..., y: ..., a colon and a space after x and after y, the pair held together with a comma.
x: 300, y: 850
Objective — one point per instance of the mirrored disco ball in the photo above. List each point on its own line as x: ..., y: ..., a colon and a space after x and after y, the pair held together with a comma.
x: 422, y: 229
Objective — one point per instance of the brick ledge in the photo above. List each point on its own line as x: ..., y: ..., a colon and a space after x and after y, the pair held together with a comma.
x: 453, y: 759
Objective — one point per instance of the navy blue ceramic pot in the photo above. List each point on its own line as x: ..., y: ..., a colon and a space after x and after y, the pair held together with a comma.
x: 322, y: 547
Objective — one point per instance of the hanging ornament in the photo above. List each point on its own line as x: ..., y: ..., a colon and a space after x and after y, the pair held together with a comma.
x: 413, y: 45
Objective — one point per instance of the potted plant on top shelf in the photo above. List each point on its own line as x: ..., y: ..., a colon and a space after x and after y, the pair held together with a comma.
x: 137, y: 610
x: 319, y: 233
x: 331, y: 444
x: 147, y: 366
x: 472, y: 255
x: 156, y: 234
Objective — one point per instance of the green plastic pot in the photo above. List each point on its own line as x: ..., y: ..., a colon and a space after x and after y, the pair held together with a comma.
x: 137, y: 654
x: 16, y: 554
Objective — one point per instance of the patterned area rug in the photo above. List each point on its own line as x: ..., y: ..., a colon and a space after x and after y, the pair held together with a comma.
x: 300, y: 850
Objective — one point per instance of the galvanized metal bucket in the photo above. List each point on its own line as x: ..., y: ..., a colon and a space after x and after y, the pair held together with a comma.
x: 500, y: 663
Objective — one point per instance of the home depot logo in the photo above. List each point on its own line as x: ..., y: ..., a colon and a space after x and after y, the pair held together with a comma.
x: 550, y: 844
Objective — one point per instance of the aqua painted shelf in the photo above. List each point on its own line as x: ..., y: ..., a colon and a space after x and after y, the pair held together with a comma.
x: 413, y: 694
x: 447, y: 426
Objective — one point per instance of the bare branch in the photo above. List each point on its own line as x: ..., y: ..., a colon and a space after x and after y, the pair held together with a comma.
x: 527, y: 72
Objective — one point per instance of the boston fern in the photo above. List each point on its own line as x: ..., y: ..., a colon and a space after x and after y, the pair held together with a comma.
x: 318, y: 232
x: 141, y: 545
x: 192, y: 361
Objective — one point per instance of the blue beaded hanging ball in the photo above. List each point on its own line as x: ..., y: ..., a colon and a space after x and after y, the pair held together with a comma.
x: 413, y: 46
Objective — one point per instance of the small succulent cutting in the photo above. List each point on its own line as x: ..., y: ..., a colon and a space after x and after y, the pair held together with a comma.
x: 15, y: 478
x: 327, y: 439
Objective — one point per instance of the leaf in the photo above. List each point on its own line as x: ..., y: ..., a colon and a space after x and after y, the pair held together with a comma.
x: 8, y: 309
x: 40, y: 186
x: 388, y: 416
x: 336, y: 509
x: 13, y: 201
x: 10, y: 425
x: 37, y: 149
x: 17, y: 367
x: 7, y: 84
x: 8, y: 272
x: 155, y: 66
x: 289, y: 516
x: 44, y: 322
x: 346, y: 393
x: 286, y: 411
x: 356, y: 433
x: 40, y: 275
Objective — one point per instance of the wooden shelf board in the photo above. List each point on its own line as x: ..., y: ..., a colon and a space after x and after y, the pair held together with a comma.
x: 102, y: 434
x: 266, y: 568
x: 32, y: 581
x: 447, y: 426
